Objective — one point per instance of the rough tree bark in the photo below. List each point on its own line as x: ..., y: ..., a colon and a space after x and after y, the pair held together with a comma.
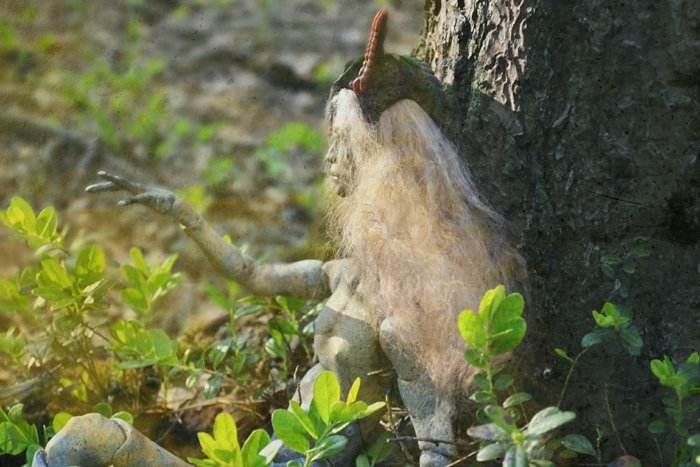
x: 580, y: 122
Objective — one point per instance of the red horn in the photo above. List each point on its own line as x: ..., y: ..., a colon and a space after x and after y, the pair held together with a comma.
x: 375, y: 49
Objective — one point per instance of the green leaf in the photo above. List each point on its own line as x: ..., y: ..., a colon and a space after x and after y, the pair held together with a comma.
x: 135, y: 300
x: 104, y: 409
x: 503, y: 382
x: 516, y: 399
x: 290, y: 431
x: 126, y: 416
x: 483, y: 397
x: 610, y: 310
x: 507, y: 327
x: 202, y: 463
x: 53, y: 273
x: 66, y: 322
x: 497, y: 416
x: 482, y: 381
x: 563, y: 355
x: 139, y: 261
x: 380, y: 448
x: 135, y: 279
x: 31, y: 451
x: 291, y: 305
x: 371, y: 409
x: 23, y: 210
x: 541, y: 463
x: 226, y: 435
x: 602, y: 320
x: 90, y: 266
x: 631, y: 340
x: 490, y: 452
x: 269, y: 452
x: 157, y: 281
x: 329, y: 447
x: 595, y: 337
x: 548, y: 419
x: 611, y: 259
x: 283, y: 326
x: 134, y: 364
x: 691, y: 372
x: 303, y: 418
x: 511, y: 334
x: 694, y: 441
x: 12, y: 440
x: 658, y: 427
x: 162, y: 345
x: 60, y: 420
x: 489, y: 304
x: 477, y: 358
x: 46, y: 223
x: 579, y: 444
x: 639, y: 252
x: 326, y: 392
x: 255, y: 443
x: 362, y: 461
x: 663, y: 369
x: 472, y: 330
x: 489, y: 432
x: 608, y: 271
x: 217, y: 296
x: 510, y: 307
x: 352, y: 394
x: 208, y: 444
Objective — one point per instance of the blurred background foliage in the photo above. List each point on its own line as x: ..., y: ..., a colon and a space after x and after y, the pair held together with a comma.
x: 219, y: 100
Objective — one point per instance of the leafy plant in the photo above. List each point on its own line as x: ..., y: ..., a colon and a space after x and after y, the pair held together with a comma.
x: 327, y: 417
x: 148, y: 284
x: 16, y: 435
x: 122, y: 101
x: 70, y: 291
x: 103, y: 408
x: 376, y: 453
x: 282, y: 328
x: 498, y: 328
x: 615, y: 322
x: 223, y: 450
x: 228, y: 358
x: 293, y: 135
x: 218, y: 171
x: 612, y: 265
x: 685, y: 383
x: 532, y: 445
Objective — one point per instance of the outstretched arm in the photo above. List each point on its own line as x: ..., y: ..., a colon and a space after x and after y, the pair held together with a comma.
x: 303, y: 279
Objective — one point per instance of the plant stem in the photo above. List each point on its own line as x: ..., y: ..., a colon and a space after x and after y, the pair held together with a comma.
x: 612, y: 421
x: 395, y: 430
x: 678, y: 421
x: 568, y: 376
x: 428, y: 440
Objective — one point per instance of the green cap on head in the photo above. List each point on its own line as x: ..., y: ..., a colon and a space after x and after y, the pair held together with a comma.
x: 381, y: 79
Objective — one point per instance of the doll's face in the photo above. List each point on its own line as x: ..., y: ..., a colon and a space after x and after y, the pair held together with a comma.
x: 340, y: 168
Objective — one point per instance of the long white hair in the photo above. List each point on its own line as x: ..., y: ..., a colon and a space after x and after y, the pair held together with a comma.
x: 425, y: 244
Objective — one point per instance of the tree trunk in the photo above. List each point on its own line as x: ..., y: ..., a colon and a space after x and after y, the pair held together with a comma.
x: 580, y: 123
